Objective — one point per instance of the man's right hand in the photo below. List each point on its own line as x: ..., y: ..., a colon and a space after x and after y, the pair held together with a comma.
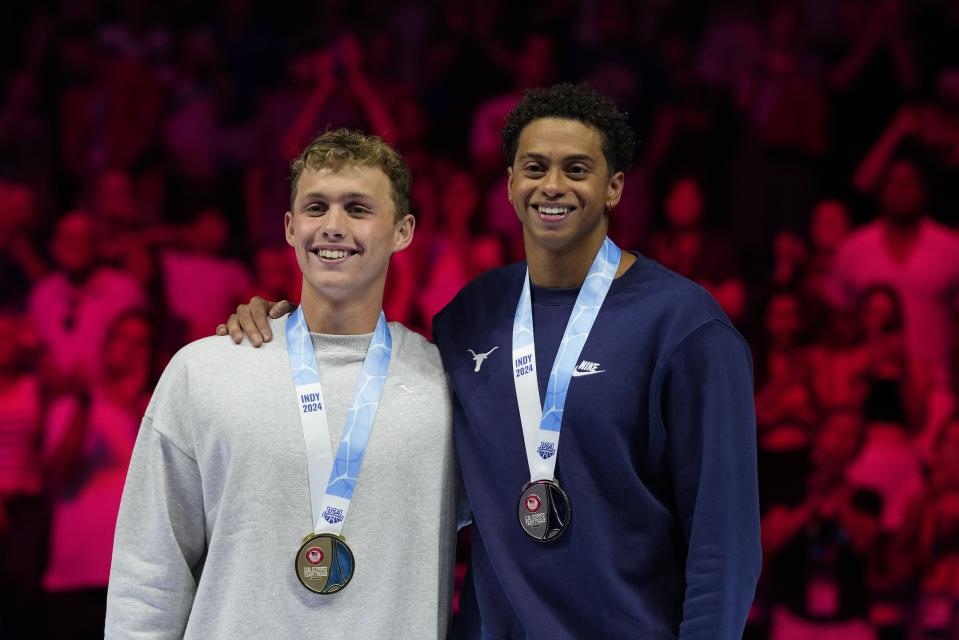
x: 252, y: 320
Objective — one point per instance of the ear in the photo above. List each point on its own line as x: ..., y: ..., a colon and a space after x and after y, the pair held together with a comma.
x: 288, y: 226
x: 403, y: 232
x: 509, y: 183
x: 614, y: 190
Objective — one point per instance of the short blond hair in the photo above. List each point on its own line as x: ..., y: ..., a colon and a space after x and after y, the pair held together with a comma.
x: 344, y: 147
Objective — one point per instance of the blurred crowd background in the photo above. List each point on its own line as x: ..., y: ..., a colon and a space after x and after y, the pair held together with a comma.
x: 800, y: 159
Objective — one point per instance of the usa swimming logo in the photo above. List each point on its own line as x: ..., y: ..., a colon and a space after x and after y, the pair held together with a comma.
x: 546, y: 450
x: 333, y: 515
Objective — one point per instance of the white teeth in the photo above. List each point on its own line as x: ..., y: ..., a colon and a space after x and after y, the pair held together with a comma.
x: 554, y: 211
x: 331, y: 254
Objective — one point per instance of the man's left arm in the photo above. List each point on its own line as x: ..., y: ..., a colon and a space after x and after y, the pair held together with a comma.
x: 706, y: 400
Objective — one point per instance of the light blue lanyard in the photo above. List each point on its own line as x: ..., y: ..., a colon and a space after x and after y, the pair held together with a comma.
x: 542, y: 423
x: 330, y: 506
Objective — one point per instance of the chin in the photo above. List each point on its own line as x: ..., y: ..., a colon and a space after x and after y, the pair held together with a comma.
x: 553, y: 239
x: 333, y: 288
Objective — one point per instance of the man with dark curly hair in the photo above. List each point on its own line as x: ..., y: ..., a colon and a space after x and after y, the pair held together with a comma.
x: 646, y: 524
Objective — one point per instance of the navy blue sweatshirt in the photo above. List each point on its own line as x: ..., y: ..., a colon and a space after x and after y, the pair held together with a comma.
x: 657, y: 453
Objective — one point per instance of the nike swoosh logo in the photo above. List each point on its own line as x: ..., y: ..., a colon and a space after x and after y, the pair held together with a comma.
x: 577, y: 373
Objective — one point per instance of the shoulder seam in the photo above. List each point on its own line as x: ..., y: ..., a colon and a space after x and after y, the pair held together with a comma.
x: 148, y: 422
x: 657, y: 379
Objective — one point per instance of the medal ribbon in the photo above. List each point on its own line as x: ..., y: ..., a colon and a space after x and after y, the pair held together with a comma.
x: 542, y: 423
x: 330, y: 506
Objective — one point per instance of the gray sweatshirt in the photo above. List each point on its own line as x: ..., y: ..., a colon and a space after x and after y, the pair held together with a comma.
x: 217, y: 500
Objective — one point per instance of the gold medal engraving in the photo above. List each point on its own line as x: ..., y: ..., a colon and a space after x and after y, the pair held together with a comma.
x: 324, y: 564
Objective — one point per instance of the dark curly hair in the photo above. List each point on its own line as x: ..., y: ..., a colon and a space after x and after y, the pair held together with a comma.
x: 574, y: 102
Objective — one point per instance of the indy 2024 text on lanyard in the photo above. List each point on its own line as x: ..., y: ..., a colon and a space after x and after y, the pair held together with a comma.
x: 324, y: 563
x: 544, y: 509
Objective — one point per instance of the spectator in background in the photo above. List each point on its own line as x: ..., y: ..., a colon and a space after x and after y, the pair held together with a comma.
x: 790, y: 255
x: 829, y: 224
x: 24, y: 513
x: 935, y: 519
x: 72, y: 307
x: 689, y: 249
x: 785, y: 404
x: 133, y: 237
x: 894, y: 385
x: 201, y: 284
x: 784, y: 391
x: 784, y: 108
x: 275, y: 274
x: 135, y: 31
x: 887, y: 446
x: 191, y: 129
x: 87, y: 447
x: 931, y: 130
x: 113, y: 205
x: 531, y: 66
x: 870, y: 69
x: 109, y: 114
x: 25, y: 139
x: 915, y: 256
x: 325, y: 88
x: 863, y: 361
x: 20, y: 263
x: 817, y: 553
x: 457, y: 252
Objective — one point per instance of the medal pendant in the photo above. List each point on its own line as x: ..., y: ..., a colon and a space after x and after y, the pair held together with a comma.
x: 544, y: 510
x: 324, y: 564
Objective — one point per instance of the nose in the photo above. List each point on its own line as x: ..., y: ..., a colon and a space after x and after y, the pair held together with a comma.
x: 334, y: 224
x: 553, y: 185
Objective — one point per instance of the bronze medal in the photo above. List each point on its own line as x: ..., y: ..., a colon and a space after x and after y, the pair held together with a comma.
x: 544, y: 510
x: 324, y: 564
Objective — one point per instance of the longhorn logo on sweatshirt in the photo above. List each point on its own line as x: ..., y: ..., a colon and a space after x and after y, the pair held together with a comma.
x: 480, y: 358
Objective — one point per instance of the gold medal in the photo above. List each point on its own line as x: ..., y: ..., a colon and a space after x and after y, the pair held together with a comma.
x: 324, y: 564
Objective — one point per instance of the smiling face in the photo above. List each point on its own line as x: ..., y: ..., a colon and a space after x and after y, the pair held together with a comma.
x: 343, y: 229
x: 560, y: 186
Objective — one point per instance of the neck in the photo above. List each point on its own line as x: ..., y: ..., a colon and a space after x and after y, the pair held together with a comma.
x: 692, y: 230
x: 903, y: 225
x: 78, y: 277
x: 8, y: 376
x: 352, y: 316
x: 567, y: 269
x: 827, y: 478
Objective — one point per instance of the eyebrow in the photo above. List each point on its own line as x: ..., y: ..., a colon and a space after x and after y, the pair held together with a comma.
x: 576, y: 157
x: 353, y: 195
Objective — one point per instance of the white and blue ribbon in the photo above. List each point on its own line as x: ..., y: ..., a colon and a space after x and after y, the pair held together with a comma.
x: 330, y: 504
x: 542, y: 423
